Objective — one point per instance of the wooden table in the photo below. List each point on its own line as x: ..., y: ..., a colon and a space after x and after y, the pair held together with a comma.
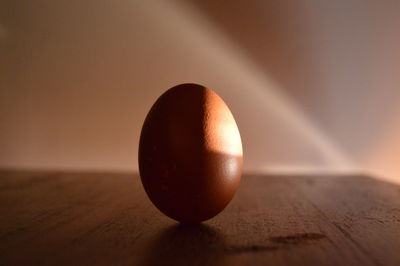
x: 58, y: 218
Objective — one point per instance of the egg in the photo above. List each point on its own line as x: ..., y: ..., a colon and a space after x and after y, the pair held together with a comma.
x: 190, y: 154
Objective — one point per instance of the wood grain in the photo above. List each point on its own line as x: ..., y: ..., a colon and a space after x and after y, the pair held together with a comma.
x: 59, y: 218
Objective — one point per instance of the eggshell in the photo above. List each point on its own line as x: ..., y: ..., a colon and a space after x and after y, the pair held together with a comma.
x: 190, y: 154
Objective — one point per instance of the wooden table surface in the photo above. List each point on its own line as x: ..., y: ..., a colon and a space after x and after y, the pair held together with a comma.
x: 58, y: 218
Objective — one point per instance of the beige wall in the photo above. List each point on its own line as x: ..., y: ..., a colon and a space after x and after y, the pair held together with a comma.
x: 313, y: 85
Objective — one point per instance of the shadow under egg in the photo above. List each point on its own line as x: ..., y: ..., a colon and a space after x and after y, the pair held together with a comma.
x: 186, y: 244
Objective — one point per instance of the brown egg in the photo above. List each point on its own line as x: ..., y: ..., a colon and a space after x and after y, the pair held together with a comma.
x: 190, y: 154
